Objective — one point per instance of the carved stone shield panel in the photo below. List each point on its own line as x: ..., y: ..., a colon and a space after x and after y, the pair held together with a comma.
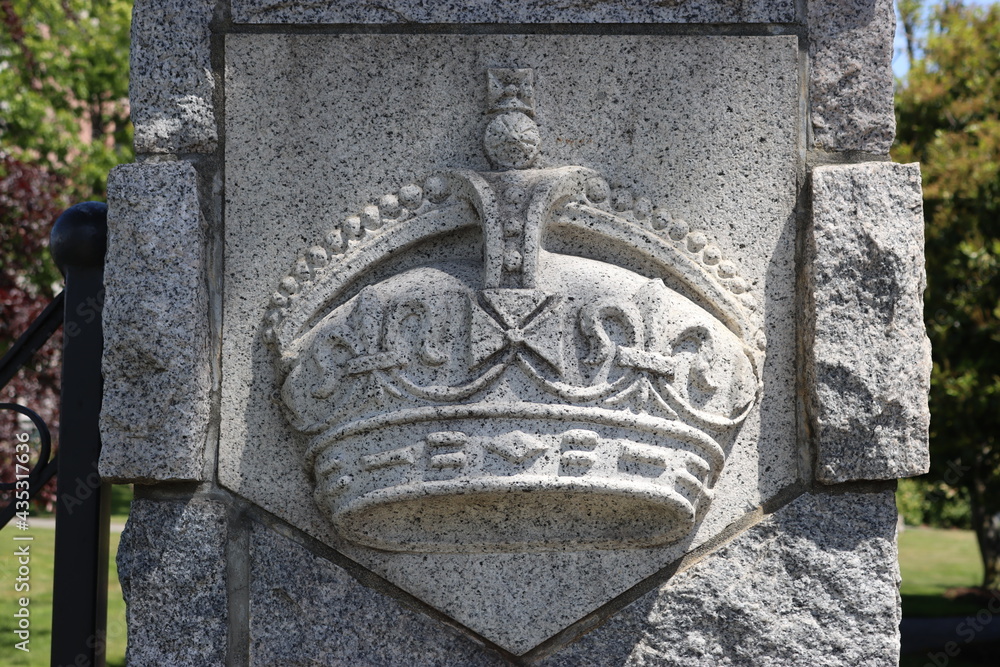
x: 502, y: 326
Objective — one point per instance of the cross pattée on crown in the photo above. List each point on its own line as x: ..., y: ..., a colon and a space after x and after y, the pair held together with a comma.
x: 511, y: 141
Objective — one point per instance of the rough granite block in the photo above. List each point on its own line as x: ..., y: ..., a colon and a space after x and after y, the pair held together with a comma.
x: 172, y: 84
x: 814, y: 584
x: 513, y: 11
x: 156, y: 365
x: 850, y: 80
x: 172, y: 566
x: 306, y: 610
x: 869, y: 359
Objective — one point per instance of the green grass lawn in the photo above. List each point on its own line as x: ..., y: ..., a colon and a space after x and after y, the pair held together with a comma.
x: 932, y: 561
x: 40, y: 595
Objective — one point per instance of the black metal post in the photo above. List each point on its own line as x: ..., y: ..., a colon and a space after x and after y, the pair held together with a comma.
x: 80, y: 581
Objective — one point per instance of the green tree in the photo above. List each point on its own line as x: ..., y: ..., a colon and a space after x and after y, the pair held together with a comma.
x: 909, y: 19
x: 64, y: 122
x: 64, y: 87
x: 30, y: 199
x: 949, y: 120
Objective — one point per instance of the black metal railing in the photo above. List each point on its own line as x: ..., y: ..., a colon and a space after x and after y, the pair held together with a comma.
x: 80, y: 579
x: 19, y: 354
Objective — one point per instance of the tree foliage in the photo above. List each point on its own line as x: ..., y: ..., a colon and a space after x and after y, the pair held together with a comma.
x: 63, y: 124
x: 64, y: 87
x: 30, y: 198
x: 949, y: 120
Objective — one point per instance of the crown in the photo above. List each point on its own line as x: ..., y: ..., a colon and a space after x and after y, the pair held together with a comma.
x: 522, y: 359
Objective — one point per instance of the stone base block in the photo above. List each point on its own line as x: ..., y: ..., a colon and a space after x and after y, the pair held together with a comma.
x: 172, y: 567
x: 816, y: 583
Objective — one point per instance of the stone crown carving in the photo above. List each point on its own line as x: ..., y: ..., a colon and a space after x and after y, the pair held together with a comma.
x: 533, y: 400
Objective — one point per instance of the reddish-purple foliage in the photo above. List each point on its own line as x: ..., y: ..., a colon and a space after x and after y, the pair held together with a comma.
x: 30, y: 201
